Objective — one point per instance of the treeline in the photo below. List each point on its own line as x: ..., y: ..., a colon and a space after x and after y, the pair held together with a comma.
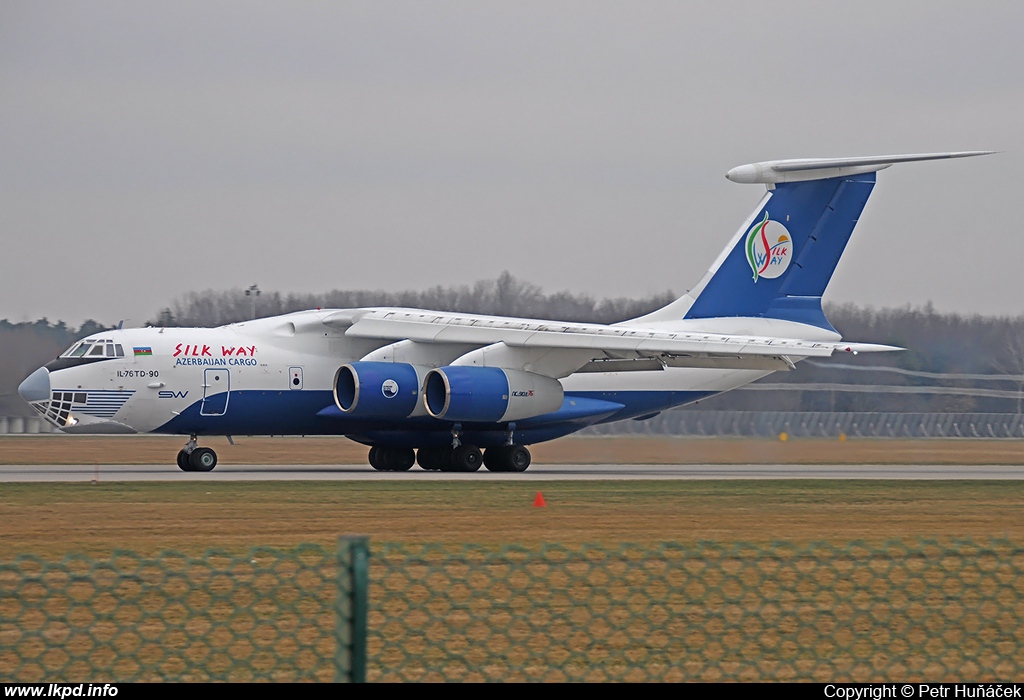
x: 504, y: 296
x: 952, y: 345
x: 943, y: 350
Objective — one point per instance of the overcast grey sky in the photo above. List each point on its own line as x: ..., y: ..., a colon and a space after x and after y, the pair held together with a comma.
x: 148, y: 149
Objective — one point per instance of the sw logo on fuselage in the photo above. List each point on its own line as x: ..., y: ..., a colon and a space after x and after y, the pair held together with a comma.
x: 769, y: 249
x: 172, y: 394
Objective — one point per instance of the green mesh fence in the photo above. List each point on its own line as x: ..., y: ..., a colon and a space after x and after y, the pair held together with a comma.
x: 926, y: 610
x: 267, y: 615
x: 707, y: 612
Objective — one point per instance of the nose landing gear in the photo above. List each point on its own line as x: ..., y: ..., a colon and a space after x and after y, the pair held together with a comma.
x: 193, y: 458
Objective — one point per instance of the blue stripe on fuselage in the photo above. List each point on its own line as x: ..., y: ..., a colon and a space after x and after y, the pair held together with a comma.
x: 314, y: 413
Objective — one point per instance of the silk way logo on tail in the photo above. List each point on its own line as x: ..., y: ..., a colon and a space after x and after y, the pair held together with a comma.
x: 769, y: 249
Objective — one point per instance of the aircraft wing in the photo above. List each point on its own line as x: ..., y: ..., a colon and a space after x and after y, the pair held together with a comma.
x: 594, y: 347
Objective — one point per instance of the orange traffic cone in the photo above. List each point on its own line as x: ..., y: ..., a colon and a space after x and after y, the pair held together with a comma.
x: 538, y: 502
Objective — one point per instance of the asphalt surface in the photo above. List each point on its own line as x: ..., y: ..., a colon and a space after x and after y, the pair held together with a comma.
x: 537, y: 472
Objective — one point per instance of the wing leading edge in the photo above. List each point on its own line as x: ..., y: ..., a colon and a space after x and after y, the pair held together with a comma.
x: 586, y: 347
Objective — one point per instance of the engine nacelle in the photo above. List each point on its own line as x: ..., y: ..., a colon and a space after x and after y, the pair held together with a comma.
x: 377, y: 389
x: 489, y: 394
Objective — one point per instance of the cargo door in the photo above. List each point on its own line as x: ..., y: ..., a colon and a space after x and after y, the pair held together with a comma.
x: 216, y: 391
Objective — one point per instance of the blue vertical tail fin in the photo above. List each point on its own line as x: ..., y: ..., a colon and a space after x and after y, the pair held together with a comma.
x: 782, y: 262
x: 779, y: 263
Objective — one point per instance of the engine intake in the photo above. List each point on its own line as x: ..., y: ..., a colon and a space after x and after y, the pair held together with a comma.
x: 489, y: 394
x: 376, y: 389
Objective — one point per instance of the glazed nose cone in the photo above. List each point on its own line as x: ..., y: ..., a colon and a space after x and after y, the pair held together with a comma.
x: 36, y: 387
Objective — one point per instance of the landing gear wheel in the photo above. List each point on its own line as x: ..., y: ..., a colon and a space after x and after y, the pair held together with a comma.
x: 516, y: 458
x: 494, y: 459
x: 431, y: 458
x: 375, y: 459
x: 398, y: 459
x: 202, y: 459
x: 183, y: 461
x: 466, y: 458
x: 391, y: 459
x: 423, y: 458
x: 435, y: 459
x: 489, y: 459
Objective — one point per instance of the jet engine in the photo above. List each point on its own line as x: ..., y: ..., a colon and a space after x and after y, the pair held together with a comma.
x: 489, y: 394
x: 377, y: 389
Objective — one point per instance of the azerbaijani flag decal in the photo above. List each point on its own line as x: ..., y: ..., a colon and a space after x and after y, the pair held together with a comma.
x: 146, y: 352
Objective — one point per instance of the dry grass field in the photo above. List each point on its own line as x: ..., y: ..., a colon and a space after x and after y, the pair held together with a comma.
x: 51, y: 520
x: 54, y: 519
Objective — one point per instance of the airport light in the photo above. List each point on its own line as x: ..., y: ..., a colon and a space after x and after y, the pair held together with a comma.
x: 253, y: 291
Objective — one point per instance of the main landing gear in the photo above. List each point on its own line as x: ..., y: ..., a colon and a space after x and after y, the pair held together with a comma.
x: 464, y: 458
x: 509, y: 458
x: 392, y: 459
x: 193, y: 458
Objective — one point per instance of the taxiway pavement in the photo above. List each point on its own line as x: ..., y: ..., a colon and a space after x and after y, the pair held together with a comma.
x: 537, y: 472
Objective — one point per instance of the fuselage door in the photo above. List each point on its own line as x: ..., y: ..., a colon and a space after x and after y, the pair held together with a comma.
x: 216, y: 388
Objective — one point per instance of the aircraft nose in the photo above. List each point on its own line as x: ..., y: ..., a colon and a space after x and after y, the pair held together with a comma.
x: 36, y: 387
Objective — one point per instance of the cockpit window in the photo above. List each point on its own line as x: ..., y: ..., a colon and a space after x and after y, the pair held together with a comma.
x: 77, y: 350
x: 94, y: 348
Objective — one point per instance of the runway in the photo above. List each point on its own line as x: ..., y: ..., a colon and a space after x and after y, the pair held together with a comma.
x: 537, y: 472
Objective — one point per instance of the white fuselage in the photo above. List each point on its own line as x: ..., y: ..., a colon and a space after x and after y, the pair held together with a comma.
x: 273, y: 367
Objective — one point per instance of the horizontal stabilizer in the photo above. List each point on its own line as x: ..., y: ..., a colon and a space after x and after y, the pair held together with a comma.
x: 866, y: 347
x: 770, y: 172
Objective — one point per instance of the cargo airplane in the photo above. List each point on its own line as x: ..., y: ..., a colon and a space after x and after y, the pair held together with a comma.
x: 454, y: 391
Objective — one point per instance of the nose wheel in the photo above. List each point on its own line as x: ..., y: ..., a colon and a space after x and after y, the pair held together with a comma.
x: 193, y: 458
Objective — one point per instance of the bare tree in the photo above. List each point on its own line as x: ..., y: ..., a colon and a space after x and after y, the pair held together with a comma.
x: 1010, y: 361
